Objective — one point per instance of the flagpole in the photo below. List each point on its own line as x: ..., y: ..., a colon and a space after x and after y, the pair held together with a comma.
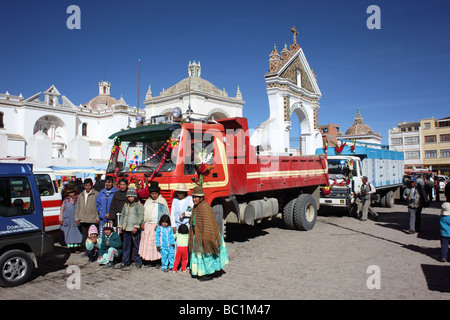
x: 139, y: 79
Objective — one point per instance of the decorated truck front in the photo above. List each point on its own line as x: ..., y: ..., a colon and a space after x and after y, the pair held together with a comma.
x: 347, y: 164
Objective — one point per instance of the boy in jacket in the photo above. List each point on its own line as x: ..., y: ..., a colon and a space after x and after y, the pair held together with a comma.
x: 111, y: 246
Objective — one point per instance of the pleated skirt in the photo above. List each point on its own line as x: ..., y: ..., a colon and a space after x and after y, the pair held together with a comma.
x: 147, y: 246
x: 207, y: 263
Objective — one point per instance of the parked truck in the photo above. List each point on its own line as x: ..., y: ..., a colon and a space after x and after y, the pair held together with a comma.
x: 347, y: 165
x: 241, y: 185
x: 22, y: 236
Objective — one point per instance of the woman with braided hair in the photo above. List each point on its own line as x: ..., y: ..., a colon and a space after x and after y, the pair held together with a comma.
x: 206, y: 244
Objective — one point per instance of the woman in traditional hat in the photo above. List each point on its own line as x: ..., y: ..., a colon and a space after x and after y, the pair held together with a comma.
x: 206, y: 244
x: 181, y: 207
x: 154, y: 208
x: 72, y: 234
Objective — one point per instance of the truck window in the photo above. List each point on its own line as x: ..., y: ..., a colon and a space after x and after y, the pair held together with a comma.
x: 143, y: 154
x: 15, y: 197
x: 201, y: 151
x: 45, y: 185
x: 339, y: 168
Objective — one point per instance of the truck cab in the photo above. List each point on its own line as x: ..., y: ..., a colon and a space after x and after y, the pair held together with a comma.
x: 22, y: 236
x: 345, y: 179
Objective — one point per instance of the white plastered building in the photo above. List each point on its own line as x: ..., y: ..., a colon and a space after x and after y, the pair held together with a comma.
x: 55, y: 132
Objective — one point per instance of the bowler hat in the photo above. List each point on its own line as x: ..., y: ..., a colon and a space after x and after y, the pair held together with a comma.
x: 198, y: 192
x: 154, y: 187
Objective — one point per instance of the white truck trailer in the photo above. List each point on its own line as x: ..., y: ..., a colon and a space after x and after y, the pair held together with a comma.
x: 383, y: 167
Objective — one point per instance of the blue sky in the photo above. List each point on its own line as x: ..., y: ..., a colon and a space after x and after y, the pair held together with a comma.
x: 398, y: 73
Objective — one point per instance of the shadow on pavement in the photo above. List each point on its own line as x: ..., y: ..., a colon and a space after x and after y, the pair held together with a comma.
x: 51, y: 262
x: 438, y: 277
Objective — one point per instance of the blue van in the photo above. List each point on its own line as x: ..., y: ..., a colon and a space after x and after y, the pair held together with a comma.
x: 22, y: 238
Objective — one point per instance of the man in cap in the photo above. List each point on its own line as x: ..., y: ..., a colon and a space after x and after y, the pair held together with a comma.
x: 367, y: 189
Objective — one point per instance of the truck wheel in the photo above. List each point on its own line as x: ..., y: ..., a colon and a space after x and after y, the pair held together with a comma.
x: 389, y: 199
x: 218, y: 212
x: 15, y: 268
x: 305, y: 212
x: 288, y: 214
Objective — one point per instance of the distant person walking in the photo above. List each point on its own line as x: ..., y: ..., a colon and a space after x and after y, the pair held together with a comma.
x: 412, y: 197
x: 367, y: 189
x: 423, y: 202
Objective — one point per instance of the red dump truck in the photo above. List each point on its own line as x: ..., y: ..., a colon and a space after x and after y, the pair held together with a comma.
x: 241, y: 185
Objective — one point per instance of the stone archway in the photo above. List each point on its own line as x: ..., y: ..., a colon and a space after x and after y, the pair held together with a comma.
x: 55, y: 129
x: 217, y: 113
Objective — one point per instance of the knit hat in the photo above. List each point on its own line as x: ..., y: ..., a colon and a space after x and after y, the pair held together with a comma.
x: 131, y: 192
x: 92, y: 229
x: 108, y: 226
x: 445, y: 209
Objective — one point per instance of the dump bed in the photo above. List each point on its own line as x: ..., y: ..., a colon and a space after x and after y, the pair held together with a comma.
x: 250, y: 172
x: 383, y: 167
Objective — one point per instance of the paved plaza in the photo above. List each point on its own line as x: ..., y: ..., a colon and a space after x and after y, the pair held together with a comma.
x: 339, y: 259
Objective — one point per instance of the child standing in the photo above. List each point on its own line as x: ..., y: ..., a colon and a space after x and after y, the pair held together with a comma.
x: 445, y: 230
x: 93, y: 243
x: 165, y: 243
x: 182, y: 238
x: 111, y: 246
x: 130, y: 224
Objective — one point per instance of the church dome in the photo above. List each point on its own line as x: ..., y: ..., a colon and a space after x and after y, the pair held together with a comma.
x: 196, y: 84
x: 101, y: 102
x: 359, y: 128
x: 104, y: 99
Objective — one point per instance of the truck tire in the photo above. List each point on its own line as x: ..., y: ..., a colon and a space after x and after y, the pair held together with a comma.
x: 15, y: 268
x: 305, y: 212
x: 288, y: 214
x: 218, y: 212
x: 389, y: 199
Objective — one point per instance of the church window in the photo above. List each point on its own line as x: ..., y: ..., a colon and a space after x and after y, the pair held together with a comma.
x: 299, y: 78
x: 84, y: 129
x: 104, y: 90
x: 2, y: 125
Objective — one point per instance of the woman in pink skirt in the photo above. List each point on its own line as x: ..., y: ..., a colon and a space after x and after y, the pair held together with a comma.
x: 154, y: 208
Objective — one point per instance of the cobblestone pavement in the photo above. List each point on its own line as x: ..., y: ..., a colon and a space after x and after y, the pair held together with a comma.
x: 271, y: 262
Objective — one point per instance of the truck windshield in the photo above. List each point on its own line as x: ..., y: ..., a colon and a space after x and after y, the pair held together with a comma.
x: 340, y: 168
x: 143, y: 153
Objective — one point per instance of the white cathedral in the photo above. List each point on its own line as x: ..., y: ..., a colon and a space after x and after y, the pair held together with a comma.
x: 55, y: 132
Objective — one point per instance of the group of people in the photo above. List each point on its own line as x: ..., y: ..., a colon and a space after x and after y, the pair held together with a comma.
x: 113, y: 225
x: 418, y: 197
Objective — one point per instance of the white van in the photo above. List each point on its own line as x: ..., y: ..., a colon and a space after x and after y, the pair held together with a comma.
x: 51, y: 197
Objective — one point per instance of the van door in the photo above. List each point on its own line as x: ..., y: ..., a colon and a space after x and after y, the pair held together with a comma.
x: 18, y: 208
x: 50, y: 197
